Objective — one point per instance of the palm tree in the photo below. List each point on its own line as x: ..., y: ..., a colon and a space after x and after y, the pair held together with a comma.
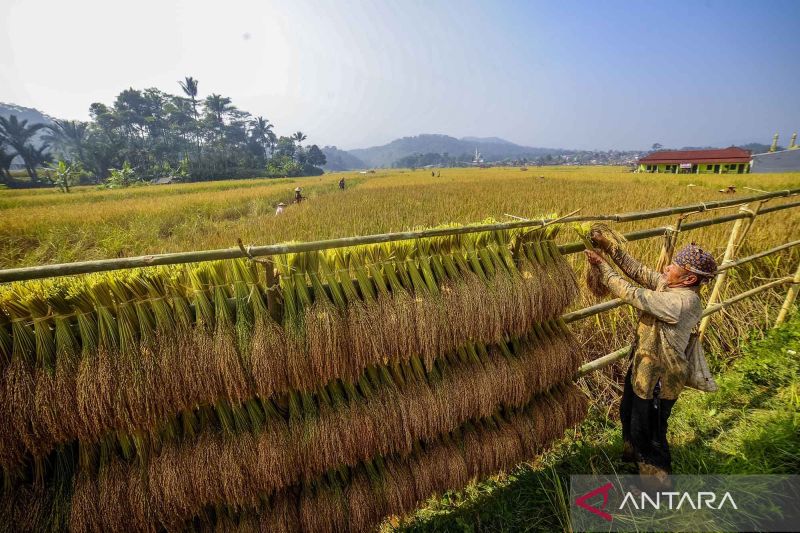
x: 189, y: 86
x: 299, y: 136
x: 5, y: 165
x: 37, y: 156
x: 18, y: 134
x: 262, y: 132
x: 217, y: 105
x: 69, y: 136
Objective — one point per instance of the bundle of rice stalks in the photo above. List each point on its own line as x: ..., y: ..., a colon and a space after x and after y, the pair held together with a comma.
x: 356, y: 497
x: 587, y: 232
x: 385, y: 413
x: 115, y: 352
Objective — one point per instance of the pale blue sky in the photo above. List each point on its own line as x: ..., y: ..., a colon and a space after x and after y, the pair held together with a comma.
x: 355, y: 74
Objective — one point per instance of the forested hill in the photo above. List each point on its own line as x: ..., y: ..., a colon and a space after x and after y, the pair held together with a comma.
x: 341, y: 160
x: 491, y: 148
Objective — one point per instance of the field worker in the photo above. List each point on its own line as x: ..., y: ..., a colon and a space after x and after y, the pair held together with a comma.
x: 279, y: 210
x: 670, y: 309
x: 341, y: 184
x: 298, y: 196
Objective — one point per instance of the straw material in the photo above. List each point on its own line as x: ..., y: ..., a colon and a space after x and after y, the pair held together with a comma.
x: 366, y: 379
x: 369, y: 491
x: 133, y: 374
x: 214, y: 467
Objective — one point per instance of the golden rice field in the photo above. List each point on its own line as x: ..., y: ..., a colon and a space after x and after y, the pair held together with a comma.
x: 44, y: 226
x: 343, y: 386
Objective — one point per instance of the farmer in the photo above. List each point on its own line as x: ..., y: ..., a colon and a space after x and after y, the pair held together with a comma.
x: 280, y: 209
x: 670, y: 309
x: 298, y: 195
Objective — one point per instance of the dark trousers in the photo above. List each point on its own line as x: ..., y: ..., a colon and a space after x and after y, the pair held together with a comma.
x: 644, y: 425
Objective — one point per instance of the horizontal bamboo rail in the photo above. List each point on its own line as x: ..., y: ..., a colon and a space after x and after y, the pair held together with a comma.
x: 759, y: 255
x: 649, y: 233
x: 586, y: 312
x: 604, y: 361
x: 104, y: 265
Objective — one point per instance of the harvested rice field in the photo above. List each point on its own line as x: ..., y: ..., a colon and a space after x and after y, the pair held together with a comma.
x: 323, y: 390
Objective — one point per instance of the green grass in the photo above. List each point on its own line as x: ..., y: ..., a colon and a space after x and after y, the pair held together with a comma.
x: 751, y: 425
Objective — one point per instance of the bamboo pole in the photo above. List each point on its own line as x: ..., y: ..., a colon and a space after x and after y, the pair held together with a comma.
x: 746, y: 294
x: 602, y: 362
x: 596, y: 309
x: 103, y: 265
x: 734, y: 241
x: 670, y: 239
x: 759, y: 255
x: 791, y: 295
x: 638, y: 235
x: 274, y: 303
x: 748, y: 223
x: 702, y: 206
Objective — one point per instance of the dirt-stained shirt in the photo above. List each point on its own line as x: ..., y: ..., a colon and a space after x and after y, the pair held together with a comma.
x: 666, y: 320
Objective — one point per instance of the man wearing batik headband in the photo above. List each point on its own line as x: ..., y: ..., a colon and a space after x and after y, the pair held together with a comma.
x: 670, y: 308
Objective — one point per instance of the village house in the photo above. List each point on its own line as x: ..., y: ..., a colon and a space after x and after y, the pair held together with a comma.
x: 722, y: 161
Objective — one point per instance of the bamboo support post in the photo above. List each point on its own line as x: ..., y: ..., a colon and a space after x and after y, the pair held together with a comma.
x: 748, y: 223
x: 670, y: 239
x: 791, y: 295
x: 273, y: 291
x: 734, y: 241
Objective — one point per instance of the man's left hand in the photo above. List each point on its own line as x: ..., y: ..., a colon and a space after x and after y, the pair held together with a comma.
x: 593, y: 257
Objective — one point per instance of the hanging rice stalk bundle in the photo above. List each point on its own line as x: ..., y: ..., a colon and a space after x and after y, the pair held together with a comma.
x: 371, y: 349
x: 585, y: 231
x: 384, y: 413
x: 353, y: 497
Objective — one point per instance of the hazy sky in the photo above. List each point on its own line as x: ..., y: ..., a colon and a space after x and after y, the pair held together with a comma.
x: 355, y: 74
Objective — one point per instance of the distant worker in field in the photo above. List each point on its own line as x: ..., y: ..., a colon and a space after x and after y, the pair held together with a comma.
x: 341, y: 184
x: 280, y: 208
x: 670, y: 309
x: 298, y: 195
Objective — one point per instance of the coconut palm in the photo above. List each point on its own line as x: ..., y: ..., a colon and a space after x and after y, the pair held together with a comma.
x: 299, y: 136
x: 18, y: 134
x: 189, y: 87
x: 261, y: 132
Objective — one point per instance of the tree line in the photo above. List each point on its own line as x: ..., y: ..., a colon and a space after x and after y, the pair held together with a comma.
x: 148, y: 134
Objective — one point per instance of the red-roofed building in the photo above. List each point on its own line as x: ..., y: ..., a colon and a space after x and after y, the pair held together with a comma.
x: 723, y: 161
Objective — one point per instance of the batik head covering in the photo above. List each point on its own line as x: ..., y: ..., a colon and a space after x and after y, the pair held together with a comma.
x: 696, y: 260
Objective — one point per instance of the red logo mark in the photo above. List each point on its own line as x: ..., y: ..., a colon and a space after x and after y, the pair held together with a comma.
x: 581, y: 501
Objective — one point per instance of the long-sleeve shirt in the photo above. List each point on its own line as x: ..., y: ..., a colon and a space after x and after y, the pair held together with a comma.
x: 666, y: 320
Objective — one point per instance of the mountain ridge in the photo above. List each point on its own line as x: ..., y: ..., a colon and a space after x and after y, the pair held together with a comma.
x: 491, y: 148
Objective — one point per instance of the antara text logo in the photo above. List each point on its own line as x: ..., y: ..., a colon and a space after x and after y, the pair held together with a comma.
x: 712, y: 502
x: 663, y: 500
